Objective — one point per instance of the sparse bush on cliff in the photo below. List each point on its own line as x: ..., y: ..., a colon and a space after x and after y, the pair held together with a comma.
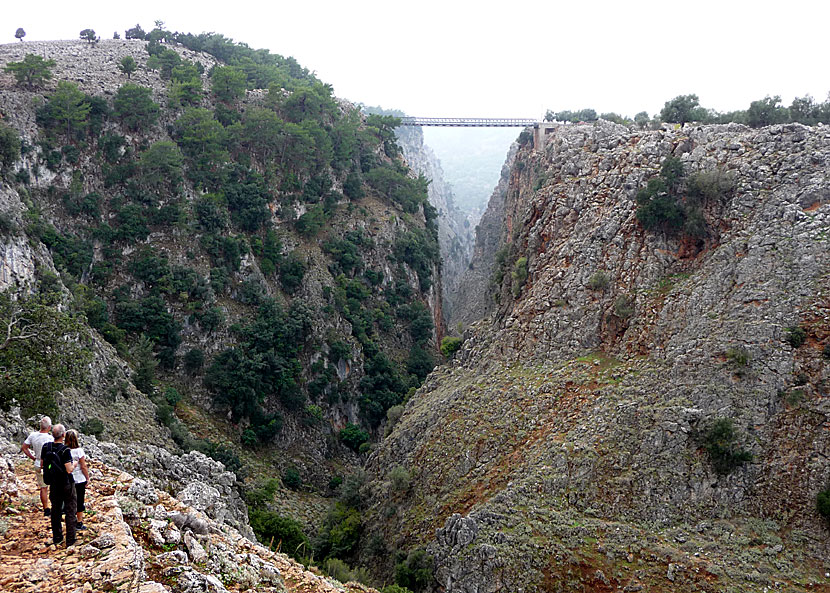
x: 795, y: 336
x: 519, y: 275
x: 722, y: 444
x: 823, y: 503
x: 624, y: 306
x: 737, y: 356
x: 450, y: 345
x: 9, y: 147
x: 599, y: 280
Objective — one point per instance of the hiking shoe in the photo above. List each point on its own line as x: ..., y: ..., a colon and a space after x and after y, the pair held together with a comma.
x: 47, y: 512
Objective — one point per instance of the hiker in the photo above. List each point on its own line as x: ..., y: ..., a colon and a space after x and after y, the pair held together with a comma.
x: 80, y: 474
x: 34, y: 442
x: 56, y: 459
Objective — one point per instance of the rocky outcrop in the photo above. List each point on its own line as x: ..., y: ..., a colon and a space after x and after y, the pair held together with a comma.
x: 569, y: 432
x: 137, y: 538
x: 195, y: 479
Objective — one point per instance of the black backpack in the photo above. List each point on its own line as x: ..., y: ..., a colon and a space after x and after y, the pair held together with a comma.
x: 54, y: 471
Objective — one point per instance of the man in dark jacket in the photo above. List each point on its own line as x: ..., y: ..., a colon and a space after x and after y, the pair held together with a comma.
x: 62, y: 493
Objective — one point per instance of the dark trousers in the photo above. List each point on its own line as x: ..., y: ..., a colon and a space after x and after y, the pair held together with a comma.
x: 62, y: 496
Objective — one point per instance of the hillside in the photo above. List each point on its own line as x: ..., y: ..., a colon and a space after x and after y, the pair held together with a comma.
x: 177, y: 204
x: 647, y: 407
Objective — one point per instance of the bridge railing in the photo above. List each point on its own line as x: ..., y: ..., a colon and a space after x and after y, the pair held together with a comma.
x: 469, y: 122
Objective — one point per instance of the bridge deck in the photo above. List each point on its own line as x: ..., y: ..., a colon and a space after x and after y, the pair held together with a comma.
x: 469, y: 122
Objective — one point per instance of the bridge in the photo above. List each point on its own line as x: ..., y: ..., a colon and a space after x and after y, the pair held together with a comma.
x: 469, y: 122
x: 540, y: 128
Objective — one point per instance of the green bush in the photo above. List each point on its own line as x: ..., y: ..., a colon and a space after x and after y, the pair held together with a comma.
x: 420, y: 362
x: 599, y: 280
x: 291, y: 478
x: 400, y: 480
x: 414, y: 571
x: 738, y: 356
x: 9, y: 146
x: 450, y: 345
x: 193, y: 360
x: 823, y: 503
x: 339, y: 535
x: 280, y: 533
x: 398, y: 588
x: 519, y: 275
x: 795, y: 336
x: 624, y: 306
x: 721, y: 442
x: 353, y: 436
x: 92, y: 426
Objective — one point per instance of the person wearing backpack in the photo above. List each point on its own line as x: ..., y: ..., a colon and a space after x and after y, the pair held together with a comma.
x: 56, y: 459
x: 31, y: 448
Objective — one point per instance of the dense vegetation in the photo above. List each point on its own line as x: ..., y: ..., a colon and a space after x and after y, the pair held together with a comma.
x: 687, y: 108
x: 243, y: 198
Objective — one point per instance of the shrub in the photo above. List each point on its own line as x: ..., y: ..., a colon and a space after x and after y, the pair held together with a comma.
x: 279, y: 532
x: 414, y: 571
x: 9, y: 146
x: 393, y: 415
x: 353, y: 436
x: 712, y: 184
x: 450, y: 345
x: 738, y: 356
x: 93, y: 426
x: 826, y: 352
x: 519, y: 275
x: 624, y: 306
x: 823, y: 503
x: 400, y: 479
x: 291, y: 478
x: 420, y: 362
x: 398, y: 588
x: 795, y: 336
x: 193, y: 360
x: 599, y: 280
x: 134, y: 106
x: 340, y: 533
x: 338, y: 570
x: 721, y: 442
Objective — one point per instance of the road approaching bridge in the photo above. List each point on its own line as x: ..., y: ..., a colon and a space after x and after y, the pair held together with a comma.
x: 469, y: 122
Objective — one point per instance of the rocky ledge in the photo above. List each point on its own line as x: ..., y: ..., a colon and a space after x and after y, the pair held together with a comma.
x: 138, y: 539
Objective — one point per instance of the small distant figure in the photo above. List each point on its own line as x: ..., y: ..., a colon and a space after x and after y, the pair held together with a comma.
x: 20, y: 34
x: 32, y: 448
x: 80, y: 474
x: 56, y: 459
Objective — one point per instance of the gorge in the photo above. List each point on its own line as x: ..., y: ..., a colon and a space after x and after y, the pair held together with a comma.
x: 260, y: 277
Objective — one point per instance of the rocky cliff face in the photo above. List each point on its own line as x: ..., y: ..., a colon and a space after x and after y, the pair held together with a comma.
x: 566, y: 446
x: 455, y: 235
x: 473, y: 299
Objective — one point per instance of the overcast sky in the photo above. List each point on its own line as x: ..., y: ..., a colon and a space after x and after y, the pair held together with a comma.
x: 507, y: 59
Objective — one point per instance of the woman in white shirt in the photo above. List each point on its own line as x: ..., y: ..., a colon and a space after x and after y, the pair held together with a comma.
x: 80, y: 474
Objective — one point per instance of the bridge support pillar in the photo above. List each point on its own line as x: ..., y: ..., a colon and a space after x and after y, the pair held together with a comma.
x: 540, y: 133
